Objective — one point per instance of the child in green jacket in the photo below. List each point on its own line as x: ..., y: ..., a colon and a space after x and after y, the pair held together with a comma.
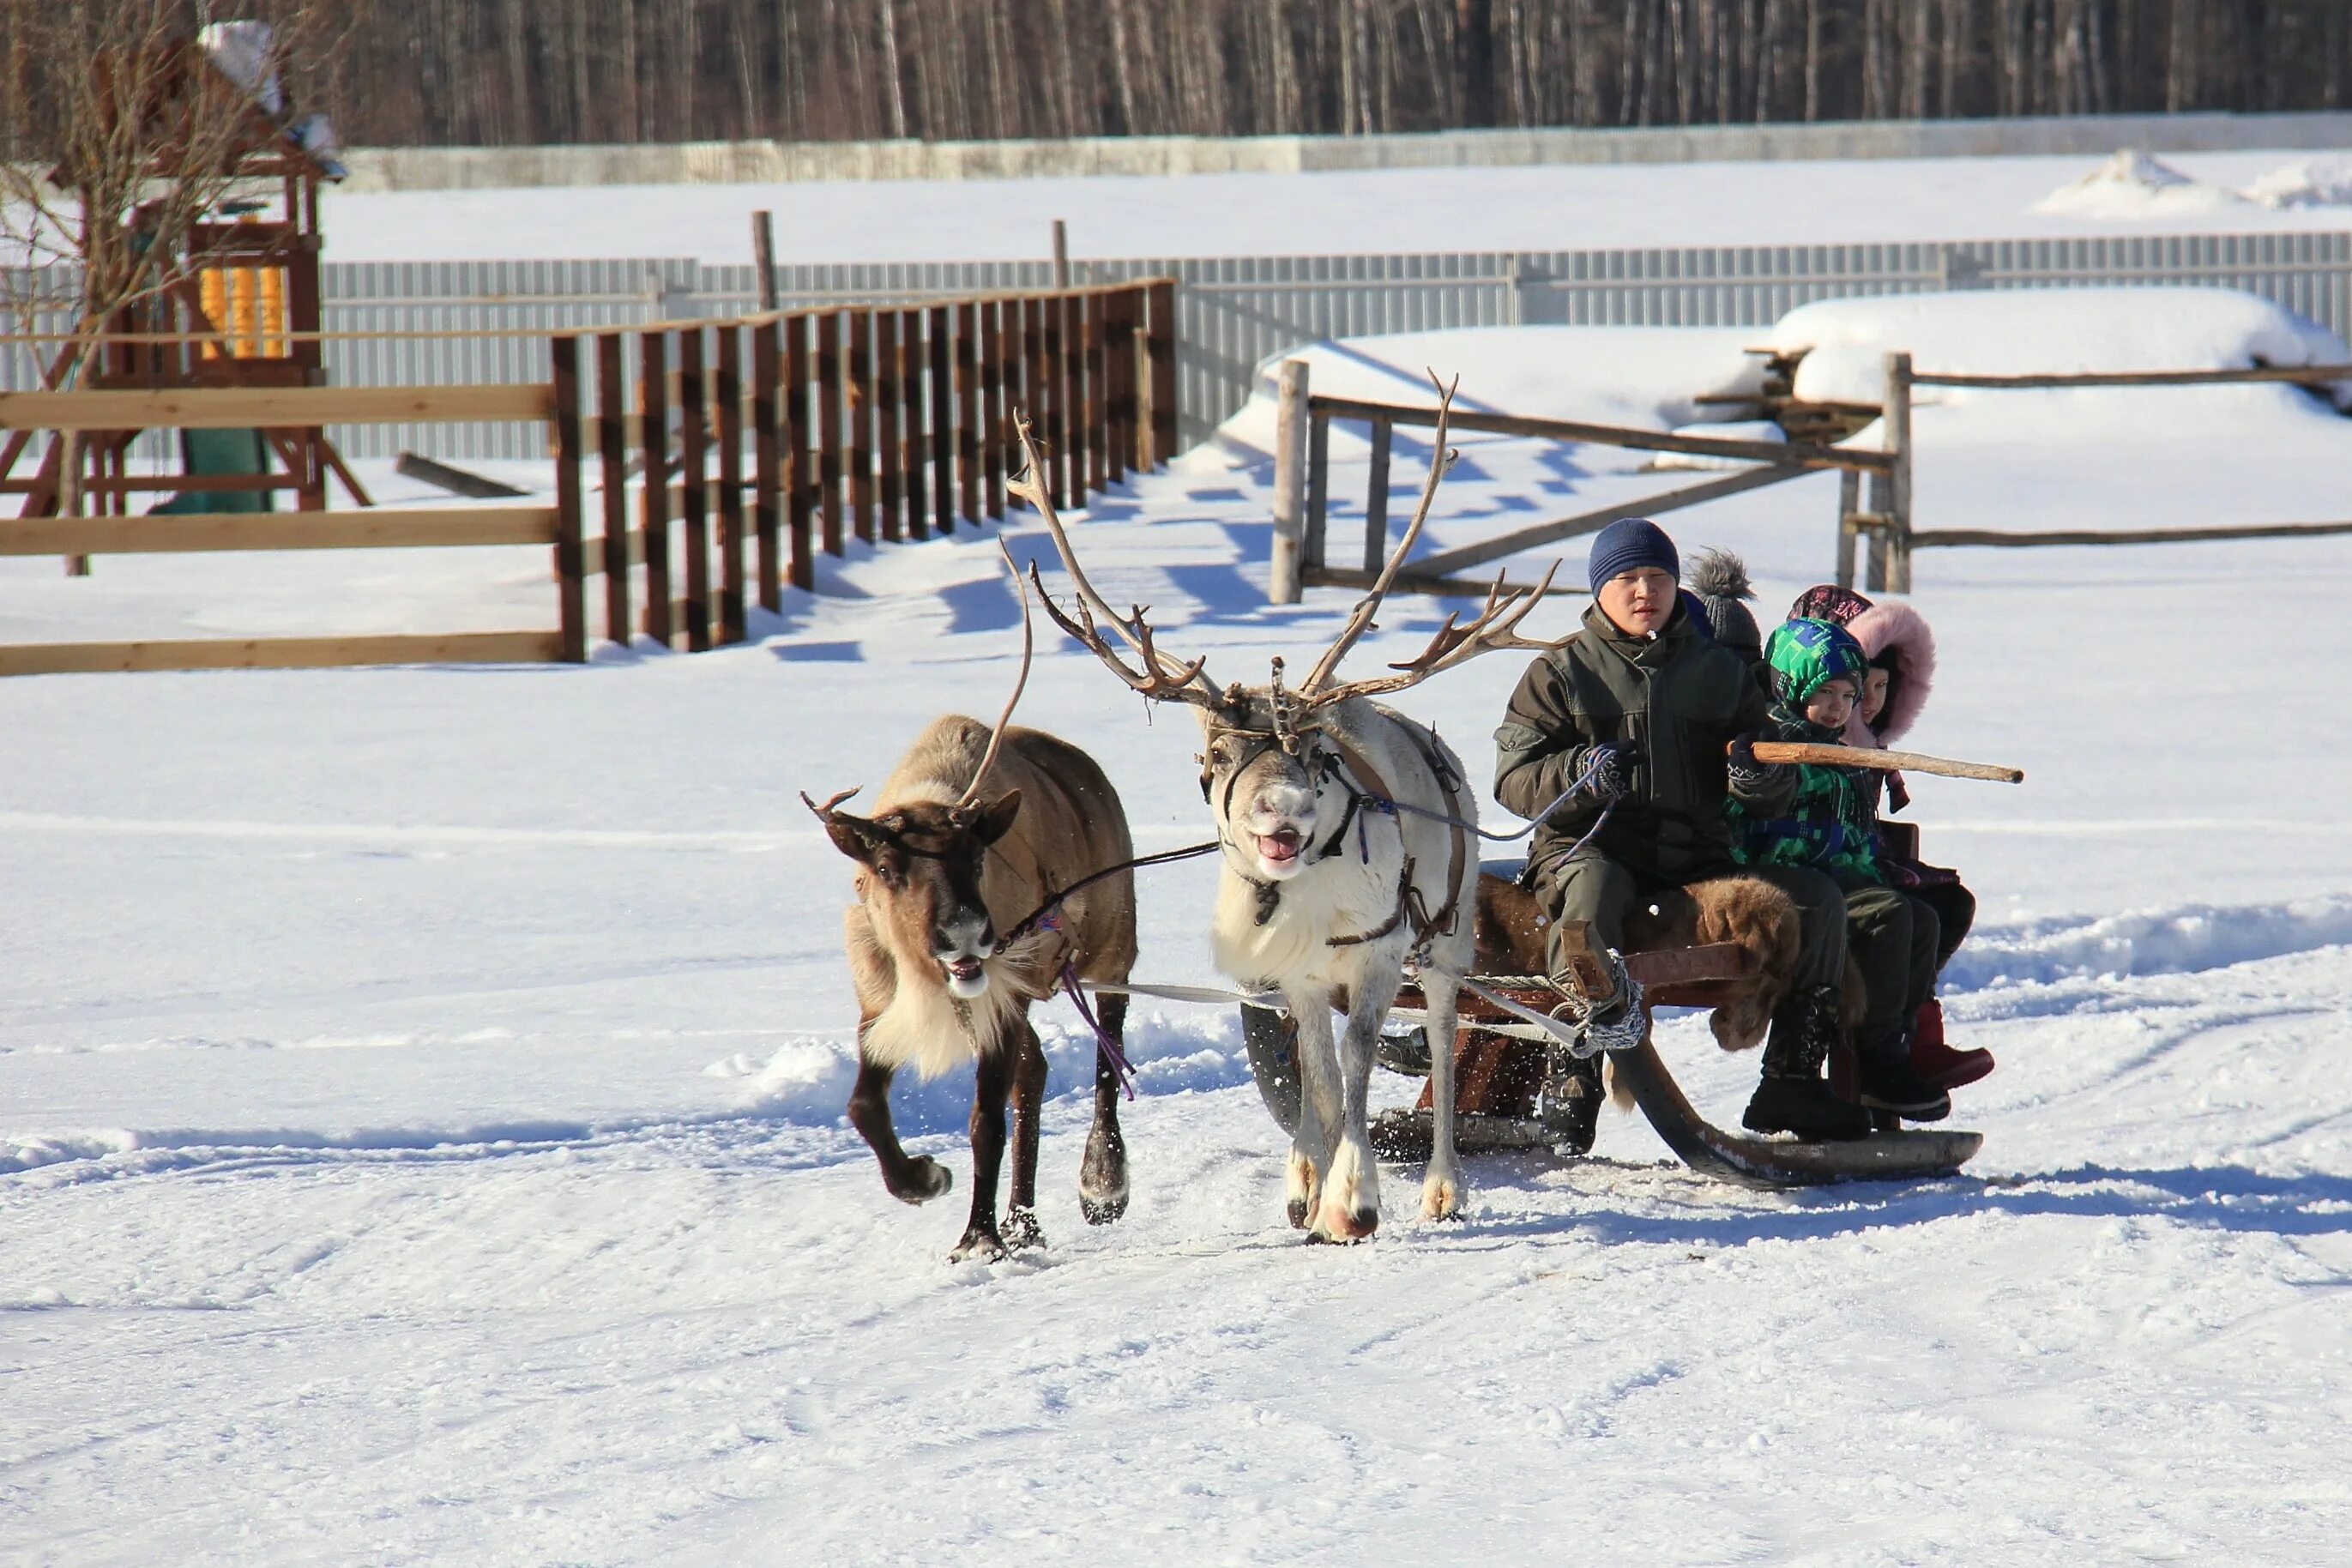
x: 1818, y: 673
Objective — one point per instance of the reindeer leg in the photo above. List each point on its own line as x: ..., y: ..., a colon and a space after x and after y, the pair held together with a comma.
x: 1441, y: 1186
x: 1350, y: 1210
x: 913, y: 1180
x: 1102, y: 1178
x: 1028, y: 1104
x: 1318, y: 1107
x: 988, y: 1093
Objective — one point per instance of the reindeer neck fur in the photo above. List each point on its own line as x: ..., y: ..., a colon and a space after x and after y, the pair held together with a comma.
x: 1353, y: 889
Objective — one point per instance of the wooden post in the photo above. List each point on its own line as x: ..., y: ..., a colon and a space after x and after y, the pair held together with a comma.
x: 829, y: 467
x: 943, y: 422
x: 1162, y: 341
x: 914, y: 446
x: 763, y: 257
x: 1289, y: 485
x: 1849, y: 503
x: 1126, y: 358
x: 652, y: 432
x: 1039, y: 317
x: 1897, y: 414
x: 993, y: 359
x: 1061, y: 255
x: 612, y: 447
x: 1319, y: 490
x: 1070, y: 402
x: 1052, y: 410
x: 857, y: 408
x: 1376, y: 499
x: 694, y: 491
x: 726, y: 392
x: 967, y: 387
x: 767, y: 457
x: 888, y: 402
x: 1097, y: 392
x: 799, y: 465
x: 571, y: 591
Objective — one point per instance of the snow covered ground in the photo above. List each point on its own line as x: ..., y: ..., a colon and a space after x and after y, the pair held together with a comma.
x: 1555, y: 207
x: 419, y: 1089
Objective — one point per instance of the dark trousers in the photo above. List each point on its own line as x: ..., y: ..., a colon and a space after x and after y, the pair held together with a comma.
x: 1956, y: 912
x: 1894, y: 939
x: 1603, y: 891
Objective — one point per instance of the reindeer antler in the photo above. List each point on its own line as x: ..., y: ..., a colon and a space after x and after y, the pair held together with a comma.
x: 1496, y: 625
x: 1360, y: 620
x: 1161, y: 679
x: 1020, y: 684
x: 825, y: 813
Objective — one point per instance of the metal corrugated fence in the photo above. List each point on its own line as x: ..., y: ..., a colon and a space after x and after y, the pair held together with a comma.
x: 1234, y: 313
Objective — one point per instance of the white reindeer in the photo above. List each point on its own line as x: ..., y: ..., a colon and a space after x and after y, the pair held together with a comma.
x: 1347, y: 832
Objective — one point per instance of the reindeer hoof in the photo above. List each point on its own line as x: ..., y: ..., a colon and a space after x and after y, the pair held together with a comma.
x: 1338, y: 1225
x: 978, y: 1245
x: 1021, y: 1231
x: 1298, y: 1214
x: 1441, y: 1199
x: 1103, y: 1211
x: 932, y: 1179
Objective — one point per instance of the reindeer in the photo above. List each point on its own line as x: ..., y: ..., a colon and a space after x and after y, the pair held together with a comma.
x: 966, y: 914
x: 1346, y: 832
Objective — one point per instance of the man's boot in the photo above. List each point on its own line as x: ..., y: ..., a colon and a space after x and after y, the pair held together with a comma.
x: 1791, y: 1097
x: 1887, y: 1080
x: 1938, y: 1062
x: 1569, y: 1106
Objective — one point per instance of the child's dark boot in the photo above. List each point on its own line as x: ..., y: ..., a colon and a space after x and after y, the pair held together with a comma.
x: 1791, y: 1097
x: 1887, y: 1080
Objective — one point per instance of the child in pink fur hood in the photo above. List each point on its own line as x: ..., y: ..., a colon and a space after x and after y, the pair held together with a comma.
x: 1902, y: 652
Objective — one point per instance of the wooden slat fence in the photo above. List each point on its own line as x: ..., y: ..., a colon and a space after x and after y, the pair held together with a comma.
x: 764, y: 441
x: 752, y: 444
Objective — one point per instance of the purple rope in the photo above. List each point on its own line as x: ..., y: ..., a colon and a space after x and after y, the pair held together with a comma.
x: 1110, y: 1048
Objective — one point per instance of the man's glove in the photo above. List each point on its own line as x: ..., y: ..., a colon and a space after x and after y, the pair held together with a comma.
x: 1602, y: 773
x: 1743, y: 772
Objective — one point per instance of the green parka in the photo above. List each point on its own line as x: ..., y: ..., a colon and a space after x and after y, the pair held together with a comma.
x: 1671, y: 704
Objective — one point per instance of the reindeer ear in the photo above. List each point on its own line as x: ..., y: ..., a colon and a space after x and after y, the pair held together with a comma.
x: 854, y: 837
x: 996, y: 819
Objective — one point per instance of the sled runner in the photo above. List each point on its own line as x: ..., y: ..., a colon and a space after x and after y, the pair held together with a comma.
x: 1501, y: 1058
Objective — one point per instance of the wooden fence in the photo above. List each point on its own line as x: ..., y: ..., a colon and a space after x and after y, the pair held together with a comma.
x: 1878, y: 520
x: 1302, y: 485
x: 773, y: 438
x: 792, y: 433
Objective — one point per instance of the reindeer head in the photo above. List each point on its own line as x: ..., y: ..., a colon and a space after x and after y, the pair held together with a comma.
x: 1269, y: 768
x: 920, y: 876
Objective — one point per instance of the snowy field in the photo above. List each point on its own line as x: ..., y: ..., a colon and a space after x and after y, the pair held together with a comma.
x: 1555, y: 207
x: 420, y: 1089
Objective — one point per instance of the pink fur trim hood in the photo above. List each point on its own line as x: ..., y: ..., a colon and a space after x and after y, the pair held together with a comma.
x: 1902, y: 628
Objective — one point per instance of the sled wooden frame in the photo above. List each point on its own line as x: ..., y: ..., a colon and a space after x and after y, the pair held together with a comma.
x: 1669, y: 978
x: 1305, y: 419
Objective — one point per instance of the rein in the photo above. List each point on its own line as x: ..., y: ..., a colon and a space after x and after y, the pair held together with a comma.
x: 1046, y: 916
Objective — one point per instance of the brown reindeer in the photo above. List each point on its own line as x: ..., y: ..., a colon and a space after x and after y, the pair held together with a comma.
x: 947, y: 958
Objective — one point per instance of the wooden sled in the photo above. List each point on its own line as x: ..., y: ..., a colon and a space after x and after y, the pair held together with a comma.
x: 1497, y: 1077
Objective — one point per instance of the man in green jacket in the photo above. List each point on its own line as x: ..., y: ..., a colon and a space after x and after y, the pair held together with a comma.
x: 1634, y: 715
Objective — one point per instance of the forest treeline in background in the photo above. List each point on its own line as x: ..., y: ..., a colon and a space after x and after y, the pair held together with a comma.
x: 508, y: 72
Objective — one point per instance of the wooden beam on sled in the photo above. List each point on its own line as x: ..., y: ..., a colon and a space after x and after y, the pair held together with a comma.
x: 1450, y: 561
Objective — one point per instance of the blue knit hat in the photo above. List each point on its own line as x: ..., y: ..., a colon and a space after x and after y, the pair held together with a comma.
x: 1627, y: 545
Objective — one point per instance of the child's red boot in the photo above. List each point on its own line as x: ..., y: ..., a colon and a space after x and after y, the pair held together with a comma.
x: 1938, y: 1062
